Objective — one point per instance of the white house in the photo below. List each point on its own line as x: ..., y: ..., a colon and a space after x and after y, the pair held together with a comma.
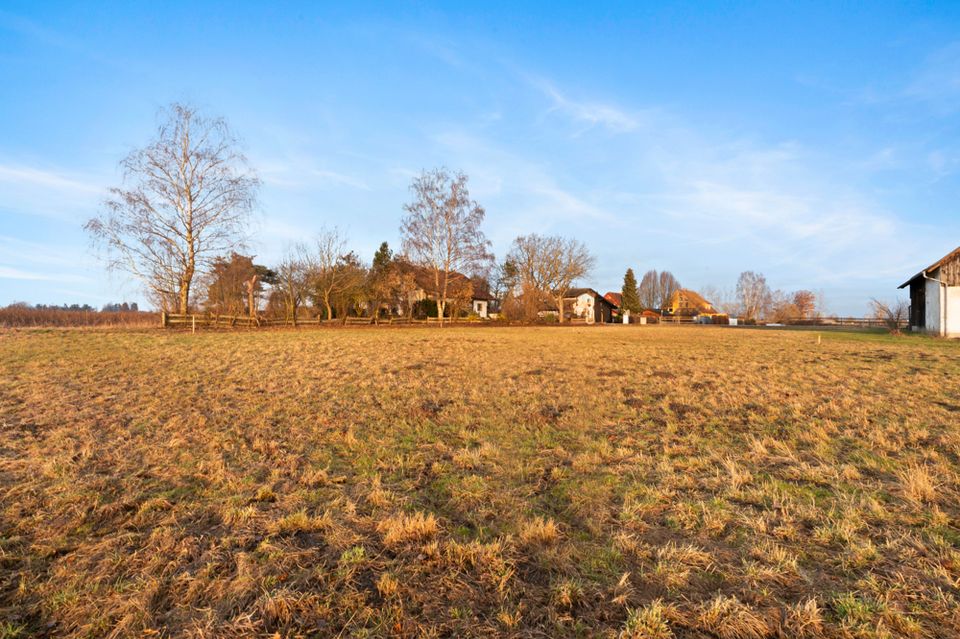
x: 583, y: 304
x: 935, y: 297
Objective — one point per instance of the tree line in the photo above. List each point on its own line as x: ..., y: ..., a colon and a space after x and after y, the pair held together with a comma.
x: 181, y: 216
x: 110, y: 307
x: 180, y: 222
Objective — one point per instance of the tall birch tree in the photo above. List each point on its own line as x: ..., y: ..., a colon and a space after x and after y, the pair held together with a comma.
x: 187, y: 198
x: 441, y: 231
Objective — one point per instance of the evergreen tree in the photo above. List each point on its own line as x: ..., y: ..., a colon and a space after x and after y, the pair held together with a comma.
x: 630, y: 299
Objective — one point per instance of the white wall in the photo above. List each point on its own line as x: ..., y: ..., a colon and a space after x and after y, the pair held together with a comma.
x: 940, y: 299
x: 583, y: 307
x: 953, y: 311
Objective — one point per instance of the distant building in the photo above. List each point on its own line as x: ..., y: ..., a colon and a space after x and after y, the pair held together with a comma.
x: 935, y: 297
x: 463, y: 293
x: 614, y: 298
x: 687, y: 303
x: 583, y: 304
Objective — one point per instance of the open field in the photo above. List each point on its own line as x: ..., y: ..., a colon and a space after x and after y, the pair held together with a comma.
x: 531, y: 482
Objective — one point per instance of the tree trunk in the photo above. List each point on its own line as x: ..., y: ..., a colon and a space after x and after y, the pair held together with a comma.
x: 184, y: 296
x: 442, y: 294
x: 251, y: 285
x: 326, y: 304
x: 560, y: 309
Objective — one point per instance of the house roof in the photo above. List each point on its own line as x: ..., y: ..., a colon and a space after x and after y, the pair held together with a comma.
x: 693, y: 300
x: 456, y: 282
x: 577, y: 292
x: 614, y: 298
x: 549, y: 305
x: 954, y: 254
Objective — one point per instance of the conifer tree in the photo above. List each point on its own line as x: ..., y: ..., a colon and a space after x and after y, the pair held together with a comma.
x: 630, y: 299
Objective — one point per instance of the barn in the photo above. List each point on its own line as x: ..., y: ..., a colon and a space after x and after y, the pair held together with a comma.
x: 935, y: 297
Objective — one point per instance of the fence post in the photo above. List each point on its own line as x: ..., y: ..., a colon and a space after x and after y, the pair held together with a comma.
x: 193, y: 323
x: 163, y: 319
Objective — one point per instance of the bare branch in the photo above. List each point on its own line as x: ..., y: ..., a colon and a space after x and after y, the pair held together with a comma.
x: 190, y: 196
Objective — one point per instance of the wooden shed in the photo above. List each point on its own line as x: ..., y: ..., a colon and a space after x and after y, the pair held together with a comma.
x: 935, y: 297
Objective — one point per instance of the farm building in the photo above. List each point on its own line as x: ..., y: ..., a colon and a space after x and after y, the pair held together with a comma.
x: 687, y: 303
x: 584, y: 304
x: 935, y: 297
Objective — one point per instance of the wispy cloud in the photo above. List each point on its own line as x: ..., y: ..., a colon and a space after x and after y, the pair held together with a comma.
x: 537, y: 198
x: 588, y: 112
x: 934, y: 83
x: 20, y: 175
x: 938, y: 79
x: 340, y: 178
x: 11, y: 273
x: 673, y: 193
x: 19, y: 251
x: 27, y: 190
x: 301, y: 172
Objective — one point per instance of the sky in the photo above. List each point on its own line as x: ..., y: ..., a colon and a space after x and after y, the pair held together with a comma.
x: 816, y: 143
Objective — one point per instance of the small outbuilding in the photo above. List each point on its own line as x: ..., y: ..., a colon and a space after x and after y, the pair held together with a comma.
x: 935, y: 297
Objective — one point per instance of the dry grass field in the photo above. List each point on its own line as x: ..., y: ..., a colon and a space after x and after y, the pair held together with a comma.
x: 644, y: 482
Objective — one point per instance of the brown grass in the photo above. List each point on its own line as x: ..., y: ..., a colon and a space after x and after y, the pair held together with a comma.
x: 616, y: 481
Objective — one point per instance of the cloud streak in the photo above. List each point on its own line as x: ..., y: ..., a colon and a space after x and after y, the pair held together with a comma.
x: 11, y: 273
x: 57, y: 194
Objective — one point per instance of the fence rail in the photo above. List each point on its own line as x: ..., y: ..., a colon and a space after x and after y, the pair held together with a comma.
x: 859, y: 322
x: 202, y: 320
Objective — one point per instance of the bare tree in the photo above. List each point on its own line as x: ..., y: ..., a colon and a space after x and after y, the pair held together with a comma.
x: 441, y: 231
x: 649, y: 290
x: 722, y: 299
x: 351, y: 292
x: 187, y: 198
x: 753, y: 295
x: 328, y: 277
x: 781, y: 307
x: 549, y: 266
x: 656, y: 289
x: 892, y: 314
x: 293, y: 279
x: 668, y: 286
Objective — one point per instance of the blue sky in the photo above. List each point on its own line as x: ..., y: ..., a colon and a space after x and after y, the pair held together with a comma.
x: 816, y: 143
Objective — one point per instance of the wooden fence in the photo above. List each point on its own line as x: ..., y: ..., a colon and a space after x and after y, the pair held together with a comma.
x: 852, y: 322
x: 202, y: 320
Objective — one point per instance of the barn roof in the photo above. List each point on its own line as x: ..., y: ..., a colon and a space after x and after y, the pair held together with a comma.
x: 949, y: 257
x: 614, y: 298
